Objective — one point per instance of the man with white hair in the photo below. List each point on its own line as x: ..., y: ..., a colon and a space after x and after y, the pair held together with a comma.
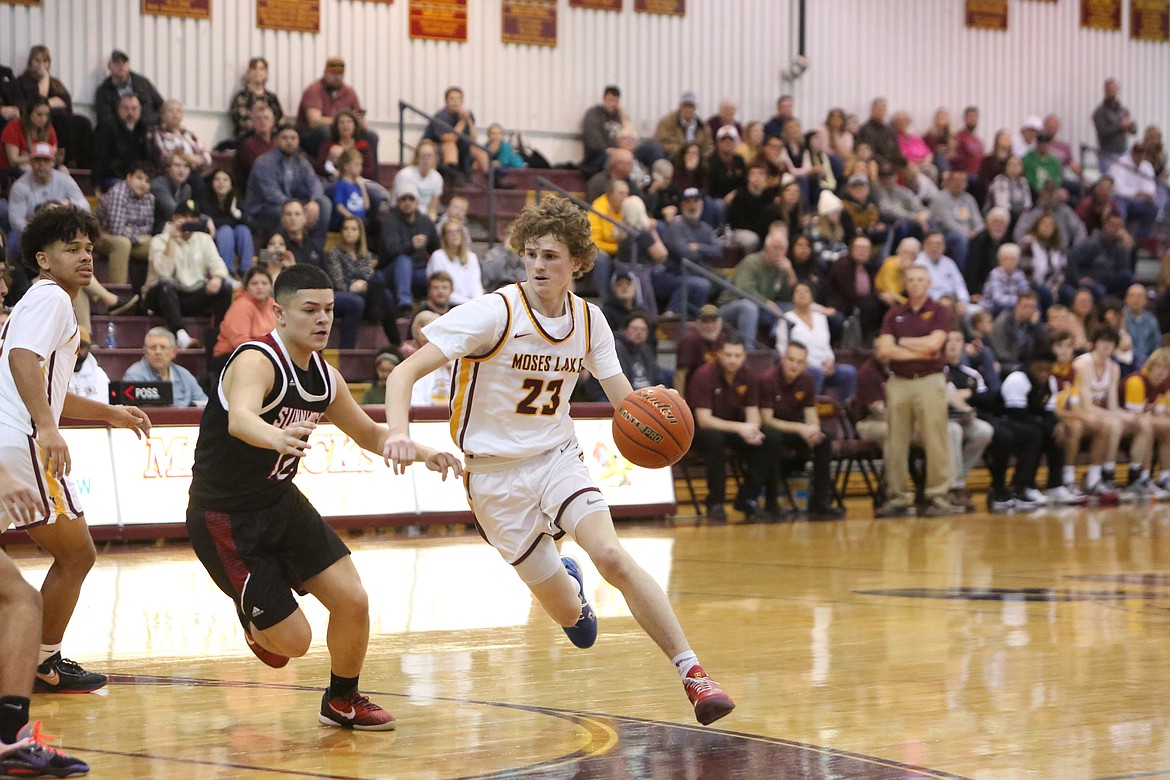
x: 984, y: 249
x: 158, y: 365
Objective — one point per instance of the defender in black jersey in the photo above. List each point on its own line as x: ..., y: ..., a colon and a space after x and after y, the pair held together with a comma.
x: 252, y: 529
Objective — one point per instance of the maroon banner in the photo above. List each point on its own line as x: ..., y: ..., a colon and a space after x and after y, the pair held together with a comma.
x: 439, y: 20
x: 597, y: 5
x: 295, y: 15
x: 987, y: 14
x: 665, y: 7
x: 1101, y: 14
x: 33, y: 2
x: 532, y: 22
x: 186, y: 9
x: 1149, y: 20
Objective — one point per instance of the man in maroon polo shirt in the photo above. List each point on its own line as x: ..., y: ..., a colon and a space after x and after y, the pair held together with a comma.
x: 321, y: 101
x: 911, y: 342
x: 725, y: 398
x: 698, y: 347
x: 788, y: 404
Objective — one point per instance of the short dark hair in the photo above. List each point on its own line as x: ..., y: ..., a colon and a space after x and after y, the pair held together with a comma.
x: 735, y: 340
x: 1105, y: 333
x: 299, y: 277
x: 1027, y: 294
x: 255, y: 271
x: 139, y: 165
x: 612, y: 89
x: 636, y: 315
x: 48, y: 226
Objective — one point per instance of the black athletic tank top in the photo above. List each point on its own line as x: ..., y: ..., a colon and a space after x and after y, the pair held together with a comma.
x: 231, y: 475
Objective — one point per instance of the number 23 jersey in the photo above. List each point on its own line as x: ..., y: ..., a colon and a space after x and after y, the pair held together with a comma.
x: 516, y: 369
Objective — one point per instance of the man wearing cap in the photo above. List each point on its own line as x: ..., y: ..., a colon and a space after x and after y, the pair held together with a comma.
x: 120, y: 143
x: 122, y: 81
x: 726, y: 170
x: 42, y: 184
x: 859, y: 204
x: 187, y: 277
x: 408, y: 239
x: 1135, y: 190
x: 911, y: 342
x: 698, y: 346
x: 682, y: 127
x: 1024, y: 140
x: 1040, y: 164
x: 285, y: 174
x: 599, y: 129
x: 321, y: 101
x: 690, y: 237
x: 623, y: 301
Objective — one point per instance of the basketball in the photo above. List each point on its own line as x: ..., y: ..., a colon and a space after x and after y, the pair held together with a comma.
x: 653, y: 427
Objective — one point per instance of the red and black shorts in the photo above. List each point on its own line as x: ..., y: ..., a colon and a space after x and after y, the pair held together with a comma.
x: 259, y: 557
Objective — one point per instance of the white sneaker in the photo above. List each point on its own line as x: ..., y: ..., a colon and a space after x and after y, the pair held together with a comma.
x: 1035, y: 496
x: 183, y: 338
x: 1065, y: 495
x: 1158, y: 492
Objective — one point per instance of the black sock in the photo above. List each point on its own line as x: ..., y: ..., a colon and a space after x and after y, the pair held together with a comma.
x: 1135, y: 474
x: 13, y: 717
x: 1107, y: 475
x: 342, y: 686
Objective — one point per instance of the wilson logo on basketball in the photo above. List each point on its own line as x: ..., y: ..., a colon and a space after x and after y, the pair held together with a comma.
x: 665, y: 409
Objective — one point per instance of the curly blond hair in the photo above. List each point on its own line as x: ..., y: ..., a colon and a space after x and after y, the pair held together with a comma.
x: 561, y: 219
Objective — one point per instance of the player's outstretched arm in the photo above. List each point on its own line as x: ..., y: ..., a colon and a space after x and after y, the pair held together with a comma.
x: 399, y: 450
x: 616, y: 388
x: 131, y: 417
x: 345, y: 413
x: 246, y: 382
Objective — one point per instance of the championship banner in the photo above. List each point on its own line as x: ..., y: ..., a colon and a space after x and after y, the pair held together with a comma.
x: 185, y: 9
x: 665, y: 7
x: 1149, y: 20
x: 987, y: 14
x: 1101, y: 15
x: 439, y: 20
x: 597, y: 5
x: 532, y: 22
x: 293, y: 15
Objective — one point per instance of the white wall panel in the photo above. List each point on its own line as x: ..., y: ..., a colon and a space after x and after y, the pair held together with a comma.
x: 915, y: 52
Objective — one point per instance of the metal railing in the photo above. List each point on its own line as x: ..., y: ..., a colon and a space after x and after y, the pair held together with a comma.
x: 403, y: 107
x: 688, y: 266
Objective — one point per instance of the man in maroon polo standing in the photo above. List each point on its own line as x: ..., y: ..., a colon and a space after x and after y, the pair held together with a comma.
x: 911, y: 342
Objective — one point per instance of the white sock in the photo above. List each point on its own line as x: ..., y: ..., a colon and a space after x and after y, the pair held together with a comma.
x: 1164, y: 475
x: 684, y: 662
x: 1093, y: 476
x: 1109, y: 467
x: 47, y: 652
x: 1068, y: 475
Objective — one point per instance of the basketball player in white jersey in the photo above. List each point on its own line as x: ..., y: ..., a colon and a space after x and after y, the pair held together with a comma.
x: 518, y: 353
x: 38, y: 349
x: 1098, y: 378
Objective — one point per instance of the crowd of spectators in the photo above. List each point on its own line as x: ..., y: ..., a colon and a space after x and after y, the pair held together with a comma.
x: 831, y: 227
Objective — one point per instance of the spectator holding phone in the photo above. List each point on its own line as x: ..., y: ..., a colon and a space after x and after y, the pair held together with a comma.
x: 187, y: 277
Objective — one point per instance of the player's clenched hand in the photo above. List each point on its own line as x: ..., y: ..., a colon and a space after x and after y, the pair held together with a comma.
x: 131, y: 417
x: 292, y: 440
x: 442, y: 461
x: 55, y: 452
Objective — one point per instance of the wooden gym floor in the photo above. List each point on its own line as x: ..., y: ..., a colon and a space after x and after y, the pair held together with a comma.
x: 1013, y: 646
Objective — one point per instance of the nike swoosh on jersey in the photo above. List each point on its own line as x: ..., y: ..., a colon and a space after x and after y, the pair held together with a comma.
x: 592, y: 501
x: 521, y: 335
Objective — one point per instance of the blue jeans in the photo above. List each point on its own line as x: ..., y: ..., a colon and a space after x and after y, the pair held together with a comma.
x: 844, y: 379
x: 668, y: 290
x: 235, y: 246
x: 349, y: 308
x: 956, y: 248
x: 747, y: 318
x: 406, y: 278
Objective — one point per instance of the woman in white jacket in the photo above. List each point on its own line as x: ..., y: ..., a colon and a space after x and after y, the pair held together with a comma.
x: 809, y: 326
